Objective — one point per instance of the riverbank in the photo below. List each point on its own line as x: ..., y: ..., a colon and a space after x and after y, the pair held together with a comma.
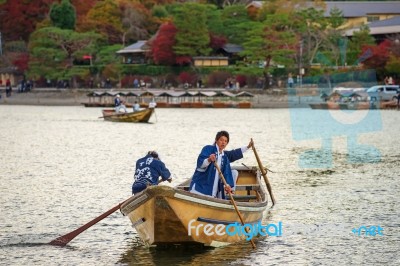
x: 74, y: 97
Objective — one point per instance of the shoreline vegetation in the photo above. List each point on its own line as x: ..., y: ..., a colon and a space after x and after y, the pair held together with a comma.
x: 275, y: 98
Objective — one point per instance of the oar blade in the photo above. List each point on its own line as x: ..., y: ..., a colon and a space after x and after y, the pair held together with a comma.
x: 65, y: 239
x: 60, y: 241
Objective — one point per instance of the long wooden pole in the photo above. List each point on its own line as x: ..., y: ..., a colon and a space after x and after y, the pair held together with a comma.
x: 264, y: 173
x: 233, y: 201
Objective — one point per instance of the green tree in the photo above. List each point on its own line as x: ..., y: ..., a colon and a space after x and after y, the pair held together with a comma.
x: 106, y: 55
x: 359, y: 39
x: 214, y: 23
x: 192, y: 38
x: 53, y: 51
x: 63, y: 15
x: 235, y: 22
x: 270, y: 43
x: 334, y: 42
x: 311, y: 25
x: 159, y: 12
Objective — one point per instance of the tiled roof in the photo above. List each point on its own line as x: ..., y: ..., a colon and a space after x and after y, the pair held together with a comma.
x: 362, y: 9
x: 395, y: 21
x: 387, y: 26
x: 355, y: 9
x: 138, y: 47
x: 232, y: 48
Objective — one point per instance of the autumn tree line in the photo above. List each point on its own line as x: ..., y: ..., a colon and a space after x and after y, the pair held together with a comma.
x: 77, y: 41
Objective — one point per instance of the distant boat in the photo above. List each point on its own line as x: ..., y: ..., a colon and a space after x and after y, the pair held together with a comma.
x: 142, y: 116
x: 165, y: 216
x: 354, y: 105
x: 330, y: 106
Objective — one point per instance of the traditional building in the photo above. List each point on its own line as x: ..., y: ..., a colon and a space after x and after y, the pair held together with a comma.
x: 135, y: 53
x: 381, y: 29
x: 10, y: 73
x: 356, y: 13
x: 206, y: 61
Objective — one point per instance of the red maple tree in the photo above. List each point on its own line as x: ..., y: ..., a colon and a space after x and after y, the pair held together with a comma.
x: 18, y: 19
x: 378, y: 55
x: 162, y: 47
x: 217, y: 42
x: 21, y: 62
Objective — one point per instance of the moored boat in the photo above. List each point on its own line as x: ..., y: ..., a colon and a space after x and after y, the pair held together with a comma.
x: 352, y: 105
x: 142, y: 116
x: 164, y: 215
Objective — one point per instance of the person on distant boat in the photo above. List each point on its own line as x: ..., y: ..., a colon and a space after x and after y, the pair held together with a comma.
x: 152, y: 104
x: 205, y: 180
x: 119, y: 104
x: 148, y: 170
x: 136, y: 107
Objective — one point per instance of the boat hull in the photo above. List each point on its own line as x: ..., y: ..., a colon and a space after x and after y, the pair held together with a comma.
x: 142, y: 116
x: 341, y: 106
x: 168, y: 216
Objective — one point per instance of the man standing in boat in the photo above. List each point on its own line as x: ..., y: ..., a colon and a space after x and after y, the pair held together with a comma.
x: 205, y: 180
x: 148, y: 170
x: 119, y: 104
x: 152, y: 104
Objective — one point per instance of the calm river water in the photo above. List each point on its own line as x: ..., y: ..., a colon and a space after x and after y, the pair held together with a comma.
x: 63, y: 166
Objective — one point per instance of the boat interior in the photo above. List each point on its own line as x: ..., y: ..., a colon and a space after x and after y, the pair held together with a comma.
x: 247, y: 187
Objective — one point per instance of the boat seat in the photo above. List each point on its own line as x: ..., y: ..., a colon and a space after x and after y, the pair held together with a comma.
x: 247, y: 187
x: 243, y: 197
x: 238, y: 187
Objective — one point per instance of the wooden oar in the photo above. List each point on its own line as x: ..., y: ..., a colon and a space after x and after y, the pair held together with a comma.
x: 233, y: 201
x: 264, y: 174
x: 65, y: 239
x: 155, y: 115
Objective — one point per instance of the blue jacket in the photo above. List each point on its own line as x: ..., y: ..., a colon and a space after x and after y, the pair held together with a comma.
x: 204, y: 178
x: 148, y: 170
x: 117, y: 102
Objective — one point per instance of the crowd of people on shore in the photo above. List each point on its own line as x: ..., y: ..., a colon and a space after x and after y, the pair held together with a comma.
x: 23, y: 86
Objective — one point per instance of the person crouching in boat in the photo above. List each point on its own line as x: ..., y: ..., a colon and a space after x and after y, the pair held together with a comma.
x: 136, y: 107
x: 148, y: 170
x: 205, y: 180
x: 119, y: 104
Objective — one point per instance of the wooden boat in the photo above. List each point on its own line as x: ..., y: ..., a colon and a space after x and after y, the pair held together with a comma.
x: 341, y: 106
x: 217, y: 104
x: 318, y: 106
x: 142, y: 116
x: 165, y: 216
x: 243, y: 105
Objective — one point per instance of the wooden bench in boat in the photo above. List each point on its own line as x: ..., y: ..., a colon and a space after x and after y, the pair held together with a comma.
x: 243, y: 192
x: 246, y: 192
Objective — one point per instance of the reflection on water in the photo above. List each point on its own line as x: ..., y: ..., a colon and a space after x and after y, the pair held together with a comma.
x: 187, y: 255
x: 62, y: 166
